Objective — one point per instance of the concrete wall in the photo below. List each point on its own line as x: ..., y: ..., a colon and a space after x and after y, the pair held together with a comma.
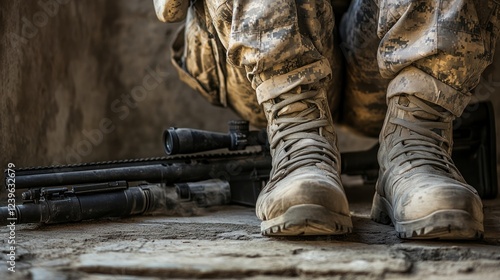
x: 89, y: 80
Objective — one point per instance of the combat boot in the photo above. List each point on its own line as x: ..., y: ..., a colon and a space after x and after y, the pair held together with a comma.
x: 419, y: 189
x: 304, y: 195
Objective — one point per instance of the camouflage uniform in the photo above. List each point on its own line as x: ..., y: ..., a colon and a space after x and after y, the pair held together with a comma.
x: 418, y: 45
x: 422, y: 57
x: 231, y: 67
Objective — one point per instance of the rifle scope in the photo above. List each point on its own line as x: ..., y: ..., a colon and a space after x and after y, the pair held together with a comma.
x: 187, y: 141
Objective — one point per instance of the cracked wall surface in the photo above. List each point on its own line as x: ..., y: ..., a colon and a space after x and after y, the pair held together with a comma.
x: 90, y: 80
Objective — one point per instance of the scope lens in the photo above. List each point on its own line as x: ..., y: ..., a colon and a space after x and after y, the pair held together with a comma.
x: 169, y: 143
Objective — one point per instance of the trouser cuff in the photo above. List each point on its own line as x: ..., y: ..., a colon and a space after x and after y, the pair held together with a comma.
x: 414, y: 81
x: 276, y: 85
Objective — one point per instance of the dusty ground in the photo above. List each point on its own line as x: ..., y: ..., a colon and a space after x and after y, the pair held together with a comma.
x: 225, y: 242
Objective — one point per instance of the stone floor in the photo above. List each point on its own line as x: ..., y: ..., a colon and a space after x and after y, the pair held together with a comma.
x: 224, y: 242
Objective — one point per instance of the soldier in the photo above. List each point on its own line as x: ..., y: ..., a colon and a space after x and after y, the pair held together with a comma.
x: 277, y: 64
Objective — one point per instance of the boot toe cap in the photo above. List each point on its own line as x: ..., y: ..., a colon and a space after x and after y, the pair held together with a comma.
x: 305, y: 189
x: 436, y: 195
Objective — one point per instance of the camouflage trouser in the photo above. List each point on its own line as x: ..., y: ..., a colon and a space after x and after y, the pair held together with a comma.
x: 238, y: 53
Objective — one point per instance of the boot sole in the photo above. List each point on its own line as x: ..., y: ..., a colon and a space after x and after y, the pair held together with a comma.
x: 307, y: 219
x: 442, y: 224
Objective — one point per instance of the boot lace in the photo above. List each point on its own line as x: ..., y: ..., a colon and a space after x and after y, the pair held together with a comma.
x: 298, y: 139
x: 425, y: 145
